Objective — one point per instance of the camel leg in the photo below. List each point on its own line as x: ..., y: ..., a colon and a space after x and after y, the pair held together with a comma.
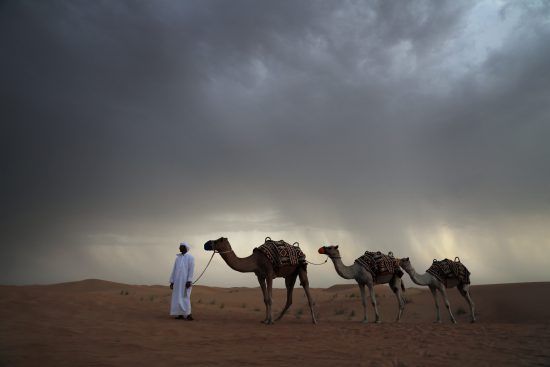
x: 363, y: 301
x: 464, y: 290
x: 441, y: 289
x: 261, y: 280
x: 305, y: 283
x: 289, y: 282
x: 437, y: 313
x: 373, y: 300
x: 269, y: 283
x: 395, y: 285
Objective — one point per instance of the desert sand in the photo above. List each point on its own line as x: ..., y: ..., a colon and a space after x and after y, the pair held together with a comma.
x: 101, y: 323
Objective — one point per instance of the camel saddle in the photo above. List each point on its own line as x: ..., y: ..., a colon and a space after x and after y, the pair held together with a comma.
x: 281, y: 253
x: 448, y: 269
x: 379, y: 264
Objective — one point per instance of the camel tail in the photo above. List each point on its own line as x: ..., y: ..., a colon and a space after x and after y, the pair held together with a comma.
x: 403, y: 286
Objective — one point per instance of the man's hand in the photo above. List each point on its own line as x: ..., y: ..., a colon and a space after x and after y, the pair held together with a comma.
x: 171, y: 285
x: 188, y: 285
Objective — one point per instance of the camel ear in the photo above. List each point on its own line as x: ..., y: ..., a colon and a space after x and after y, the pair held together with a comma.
x: 406, y: 259
x: 336, y: 247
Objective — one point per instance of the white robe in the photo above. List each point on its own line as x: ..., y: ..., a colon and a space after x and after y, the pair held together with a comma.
x: 182, y: 273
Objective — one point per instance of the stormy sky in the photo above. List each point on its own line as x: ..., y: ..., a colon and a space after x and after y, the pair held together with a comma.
x: 419, y: 127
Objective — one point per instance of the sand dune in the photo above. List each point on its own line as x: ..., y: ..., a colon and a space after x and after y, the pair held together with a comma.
x: 100, y: 323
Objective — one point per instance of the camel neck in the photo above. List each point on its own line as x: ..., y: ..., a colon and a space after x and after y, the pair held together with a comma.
x: 344, y: 271
x: 420, y: 279
x: 240, y: 264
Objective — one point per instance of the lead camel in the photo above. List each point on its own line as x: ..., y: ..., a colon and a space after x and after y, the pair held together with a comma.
x: 260, y: 265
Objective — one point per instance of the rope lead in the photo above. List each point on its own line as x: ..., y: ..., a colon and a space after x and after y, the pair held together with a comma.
x: 206, y: 267
x: 309, y: 262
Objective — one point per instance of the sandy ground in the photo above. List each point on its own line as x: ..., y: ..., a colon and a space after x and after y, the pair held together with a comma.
x: 100, y: 323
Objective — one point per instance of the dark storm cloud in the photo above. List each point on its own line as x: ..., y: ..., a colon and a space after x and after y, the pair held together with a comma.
x: 134, y: 123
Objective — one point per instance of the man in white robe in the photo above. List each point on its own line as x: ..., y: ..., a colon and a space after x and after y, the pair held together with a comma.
x: 181, y: 283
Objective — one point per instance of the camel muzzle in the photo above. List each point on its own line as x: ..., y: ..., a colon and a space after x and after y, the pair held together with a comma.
x: 208, y: 246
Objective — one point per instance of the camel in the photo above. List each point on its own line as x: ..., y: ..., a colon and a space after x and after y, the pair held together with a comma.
x: 260, y: 265
x: 364, y: 277
x: 435, y: 285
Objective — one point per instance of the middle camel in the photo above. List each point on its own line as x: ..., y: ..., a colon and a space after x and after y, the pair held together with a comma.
x: 369, y: 277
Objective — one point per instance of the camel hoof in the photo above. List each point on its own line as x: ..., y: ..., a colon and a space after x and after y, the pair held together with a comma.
x: 365, y: 321
x: 378, y: 321
x: 437, y: 322
x: 473, y: 321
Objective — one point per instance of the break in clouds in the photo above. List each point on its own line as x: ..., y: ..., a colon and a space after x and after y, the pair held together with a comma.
x: 417, y: 127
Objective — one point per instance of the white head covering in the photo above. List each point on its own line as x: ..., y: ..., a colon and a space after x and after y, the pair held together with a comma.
x: 186, y: 245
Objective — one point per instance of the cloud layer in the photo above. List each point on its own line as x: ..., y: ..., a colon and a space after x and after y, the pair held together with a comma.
x: 419, y: 128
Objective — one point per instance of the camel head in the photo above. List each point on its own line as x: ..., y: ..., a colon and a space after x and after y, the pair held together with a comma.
x: 219, y: 245
x: 405, y: 263
x: 330, y: 251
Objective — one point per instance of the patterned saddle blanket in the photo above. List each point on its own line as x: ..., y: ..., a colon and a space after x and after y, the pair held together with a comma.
x: 281, y: 253
x: 378, y: 263
x: 448, y: 269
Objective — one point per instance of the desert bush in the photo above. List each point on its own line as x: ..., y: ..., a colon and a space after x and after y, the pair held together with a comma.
x: 460, y: 311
